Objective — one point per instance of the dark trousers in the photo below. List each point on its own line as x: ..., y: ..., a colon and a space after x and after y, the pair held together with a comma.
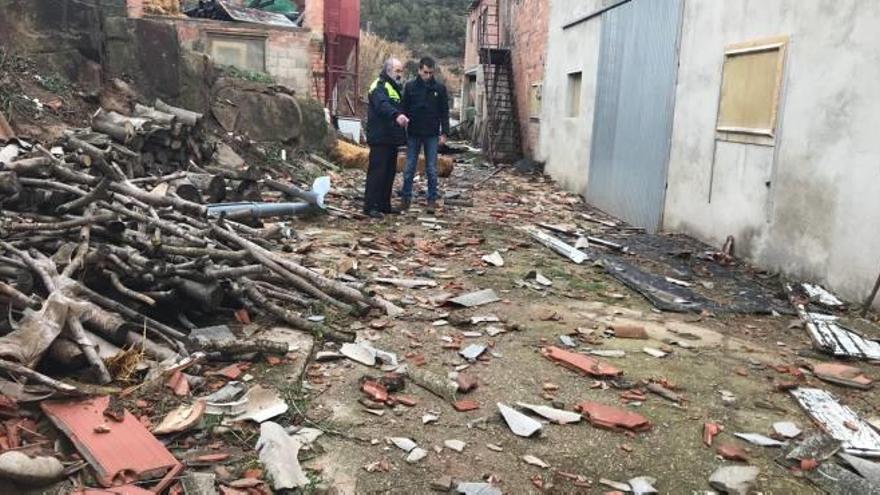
x: 380, y: 177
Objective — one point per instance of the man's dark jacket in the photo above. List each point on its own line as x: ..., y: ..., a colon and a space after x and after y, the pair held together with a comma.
x: 386, y: 102
x: 427, y: 106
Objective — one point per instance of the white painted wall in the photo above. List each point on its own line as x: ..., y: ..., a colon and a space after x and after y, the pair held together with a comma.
x: 564, y: 143
x: 810, y: 206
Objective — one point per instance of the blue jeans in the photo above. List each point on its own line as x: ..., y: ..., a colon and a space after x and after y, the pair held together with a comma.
x: 413, y: 147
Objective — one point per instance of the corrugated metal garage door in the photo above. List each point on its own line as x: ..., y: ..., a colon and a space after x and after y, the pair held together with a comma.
x: 635, y: 99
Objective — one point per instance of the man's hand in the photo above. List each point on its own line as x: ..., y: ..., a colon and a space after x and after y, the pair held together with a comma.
x: 442, y: 139
x: 402, y: 121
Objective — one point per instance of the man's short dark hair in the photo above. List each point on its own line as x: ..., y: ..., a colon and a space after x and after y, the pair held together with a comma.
x: 427, y: 62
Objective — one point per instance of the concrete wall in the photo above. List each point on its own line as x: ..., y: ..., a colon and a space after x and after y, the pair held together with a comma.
x: 564, y: 142
x: 809, y: 205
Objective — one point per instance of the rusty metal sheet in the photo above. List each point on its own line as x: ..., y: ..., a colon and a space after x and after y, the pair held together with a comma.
x: 255, y: 16
x: 145, y: 457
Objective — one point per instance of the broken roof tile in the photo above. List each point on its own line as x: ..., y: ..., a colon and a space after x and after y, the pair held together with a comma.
x: 145, y: 457
x: 589, y: 365
x: 612, y: 418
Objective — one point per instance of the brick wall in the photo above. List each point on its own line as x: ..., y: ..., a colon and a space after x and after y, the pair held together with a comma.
x: 314, y: 16
x: 529, y: 29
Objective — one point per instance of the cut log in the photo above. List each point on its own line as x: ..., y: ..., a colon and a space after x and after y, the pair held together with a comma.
x: 185, y: 116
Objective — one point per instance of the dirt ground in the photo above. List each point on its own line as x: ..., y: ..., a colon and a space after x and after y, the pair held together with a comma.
x: 724, y: 352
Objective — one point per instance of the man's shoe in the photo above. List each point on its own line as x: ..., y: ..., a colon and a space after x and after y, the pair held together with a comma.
x: 375, y: 214
x: 391, y: 211
x: 431, y: 208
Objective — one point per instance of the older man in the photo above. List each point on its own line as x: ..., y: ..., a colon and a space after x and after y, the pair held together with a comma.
x: 386, y: 131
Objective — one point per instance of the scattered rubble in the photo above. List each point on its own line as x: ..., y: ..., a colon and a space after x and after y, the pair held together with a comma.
x: 519, y: 423
x: 734, y: 480
x: 841, y: 422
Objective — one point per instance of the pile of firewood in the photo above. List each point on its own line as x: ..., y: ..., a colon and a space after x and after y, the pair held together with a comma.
x: 109, y: 236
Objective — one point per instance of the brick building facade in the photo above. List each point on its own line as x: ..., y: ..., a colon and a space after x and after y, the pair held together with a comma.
x: 522, y: 27
x: 293, y: 56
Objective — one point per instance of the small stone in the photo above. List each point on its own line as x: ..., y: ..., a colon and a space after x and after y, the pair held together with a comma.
x: 465, y: 405
x: 416, y: 455
x: 496, y: 448
x: 456, y: 445
x: 534, y: 461
x: 442, y: 484
x: 734, y: 480
x: 403, y: 443
x: 430, y: 418
x: 466, y: 382
x: 786, y: 429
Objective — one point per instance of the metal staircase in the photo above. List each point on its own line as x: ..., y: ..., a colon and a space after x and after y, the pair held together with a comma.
x: 500, y: 129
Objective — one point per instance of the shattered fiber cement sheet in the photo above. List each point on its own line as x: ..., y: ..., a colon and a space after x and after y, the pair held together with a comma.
x: 829, y: 336
x: 478, y: 298
x: 834, y: 417
x: 575, y: 255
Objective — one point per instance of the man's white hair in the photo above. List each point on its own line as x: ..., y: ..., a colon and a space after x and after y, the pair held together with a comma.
x: 389, y: 65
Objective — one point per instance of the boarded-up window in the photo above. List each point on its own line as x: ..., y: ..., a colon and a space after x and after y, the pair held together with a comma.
x: 535, y: 100
x: 750, y: 87
x: 243, y: 52
x: 574, y: 94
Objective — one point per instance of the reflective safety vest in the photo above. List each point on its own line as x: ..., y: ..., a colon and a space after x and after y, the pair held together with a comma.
x: 392, y: 92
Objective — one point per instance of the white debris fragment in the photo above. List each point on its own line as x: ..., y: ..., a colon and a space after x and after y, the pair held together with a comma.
x: 492, y: 331
x: 608, y: 353
x: 429, y: 418
x: 839, y: 421
x: 680, y: 283
x: 818, y: 293
x: 519, y: 423
x: 786, y: 429
x: 402, y: 443
x: 734, y: 480
x: 476, y: 320
x: 456, y: 445
x: 657, y: 353
x: 643, y: 485
x: 494, y: 259
x: 758, y: 439
x: 534, y: 461
x: 278, y: 453
x: 556, y: 415
x: 416, y: 455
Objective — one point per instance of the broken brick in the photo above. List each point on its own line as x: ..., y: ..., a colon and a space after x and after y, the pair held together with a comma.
x: 375, y: 390
x: 465, y: 405
x: 612, y: 418
x: 630, y: 332
x: 178, y: 384
x: 732, y: 453
x: 466, y: 382
x: 232, y: 372
x: 586, y: 364
x: 709, y: 432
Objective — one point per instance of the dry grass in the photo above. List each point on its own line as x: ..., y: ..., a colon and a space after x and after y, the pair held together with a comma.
x: 124, y: 365
x: 374, y: 50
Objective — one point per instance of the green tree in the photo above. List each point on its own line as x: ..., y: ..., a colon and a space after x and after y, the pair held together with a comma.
x: 429, y: 27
